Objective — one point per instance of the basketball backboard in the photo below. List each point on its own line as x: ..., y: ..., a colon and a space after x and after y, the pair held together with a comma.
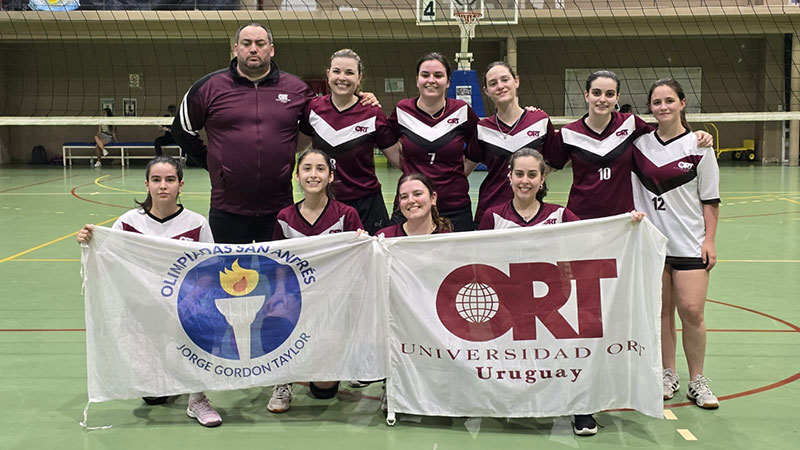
x: 442, y: 12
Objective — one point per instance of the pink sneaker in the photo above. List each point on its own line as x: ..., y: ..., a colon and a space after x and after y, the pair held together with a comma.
x: 200, y: 409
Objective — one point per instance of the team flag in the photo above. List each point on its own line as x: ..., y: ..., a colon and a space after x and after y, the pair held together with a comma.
x: 166, y: 317
x: 530, y: 322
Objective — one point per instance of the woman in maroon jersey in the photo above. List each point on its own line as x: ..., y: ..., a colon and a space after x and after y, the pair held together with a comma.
x: 527, y: 208
x: 500, y: 135
x: 417, y: 202
x: 349, y: 132
x: 436, y: 133
x: 318, y: 213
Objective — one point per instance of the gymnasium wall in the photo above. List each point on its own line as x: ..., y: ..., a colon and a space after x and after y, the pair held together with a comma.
x: 70, y: 77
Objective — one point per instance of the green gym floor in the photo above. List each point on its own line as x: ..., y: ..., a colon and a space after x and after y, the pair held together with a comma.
x: 753, y: 357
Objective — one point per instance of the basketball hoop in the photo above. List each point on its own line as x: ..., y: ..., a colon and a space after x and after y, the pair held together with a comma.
x: 467, y: 21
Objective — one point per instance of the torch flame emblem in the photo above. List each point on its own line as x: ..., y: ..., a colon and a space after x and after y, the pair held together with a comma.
x: 238, y: 281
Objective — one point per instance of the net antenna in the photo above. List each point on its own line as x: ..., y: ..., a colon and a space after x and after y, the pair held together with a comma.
x: 468, y: 19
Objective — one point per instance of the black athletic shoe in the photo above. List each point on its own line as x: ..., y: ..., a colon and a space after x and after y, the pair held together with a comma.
x: 584, y: 425
x: 155, y: 400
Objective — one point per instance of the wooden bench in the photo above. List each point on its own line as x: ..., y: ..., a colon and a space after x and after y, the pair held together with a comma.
x: 124, y: 151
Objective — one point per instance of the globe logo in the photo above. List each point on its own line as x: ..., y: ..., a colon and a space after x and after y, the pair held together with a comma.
x: 477, y: 302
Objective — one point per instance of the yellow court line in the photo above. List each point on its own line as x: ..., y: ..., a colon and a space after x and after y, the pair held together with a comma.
x: 790, y: 200
x: 97, y: 182
x: 47, y: 260
x: 48, y: 243
x: 687, y: 434
x: 669, y: 415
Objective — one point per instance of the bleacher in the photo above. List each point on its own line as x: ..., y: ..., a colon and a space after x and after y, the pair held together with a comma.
x: 123, y: 151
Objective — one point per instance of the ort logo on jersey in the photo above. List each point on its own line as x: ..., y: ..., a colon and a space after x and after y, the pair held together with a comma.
x: 622, y: 133
x: 283, y: 98
x: 453, y: 120
x: 361, y: 129
x: 239, y: 307
x: 685, y: 166
x: 533, y: 133
x: 479, y: 303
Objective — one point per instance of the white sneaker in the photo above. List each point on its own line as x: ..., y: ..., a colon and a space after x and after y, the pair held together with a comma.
x: 98, y: 164
x: 105, y: 152
x: 701, y: 393
x: 200, y: 409
x: 671, y: 383
x: 281, y: 398
x: 358, y: 383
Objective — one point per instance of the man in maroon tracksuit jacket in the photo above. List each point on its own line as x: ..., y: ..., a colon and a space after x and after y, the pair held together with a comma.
x: 250, y: 112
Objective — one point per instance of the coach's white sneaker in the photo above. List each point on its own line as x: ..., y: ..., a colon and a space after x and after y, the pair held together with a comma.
x: 98, y: 164
x: 701, y: 393
x: 671, y: 383
x: 281, y: 398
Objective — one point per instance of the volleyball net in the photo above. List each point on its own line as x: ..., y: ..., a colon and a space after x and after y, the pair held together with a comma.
x: 63, y: 61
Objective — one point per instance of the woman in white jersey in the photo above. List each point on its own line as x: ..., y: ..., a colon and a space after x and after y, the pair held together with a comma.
x: 677, y: 185
x: 160, y: 214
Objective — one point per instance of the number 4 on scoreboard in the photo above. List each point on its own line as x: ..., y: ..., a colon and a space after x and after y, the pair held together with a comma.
x: 429, y: 10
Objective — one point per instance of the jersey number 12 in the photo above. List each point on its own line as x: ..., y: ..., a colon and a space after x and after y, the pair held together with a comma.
x: 658, y: 203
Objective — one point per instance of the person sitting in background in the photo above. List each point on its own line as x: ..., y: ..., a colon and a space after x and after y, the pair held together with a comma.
x: 106, y: 134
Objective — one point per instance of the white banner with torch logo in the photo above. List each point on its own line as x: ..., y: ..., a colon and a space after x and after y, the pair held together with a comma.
x: 534, y: 322
x: 167, y: 317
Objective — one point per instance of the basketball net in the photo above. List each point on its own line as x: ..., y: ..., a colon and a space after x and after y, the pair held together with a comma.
x: 467, y: 21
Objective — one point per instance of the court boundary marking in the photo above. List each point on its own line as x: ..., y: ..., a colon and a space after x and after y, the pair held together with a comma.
x: 37, y: 183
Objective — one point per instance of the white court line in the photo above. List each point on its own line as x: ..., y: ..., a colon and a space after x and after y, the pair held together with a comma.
x: 669, y: 415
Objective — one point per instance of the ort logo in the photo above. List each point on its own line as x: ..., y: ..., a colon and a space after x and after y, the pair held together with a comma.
x: 622, y: 133
x: 685, y: 166
x: 480, y: 303
x: 361, y: 129
x: 533, y: 134
x: 454, y: 120
x: 239, y: 307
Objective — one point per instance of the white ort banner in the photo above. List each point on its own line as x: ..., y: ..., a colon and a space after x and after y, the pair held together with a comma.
x: 532, y: 322
x: 167, y: 317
